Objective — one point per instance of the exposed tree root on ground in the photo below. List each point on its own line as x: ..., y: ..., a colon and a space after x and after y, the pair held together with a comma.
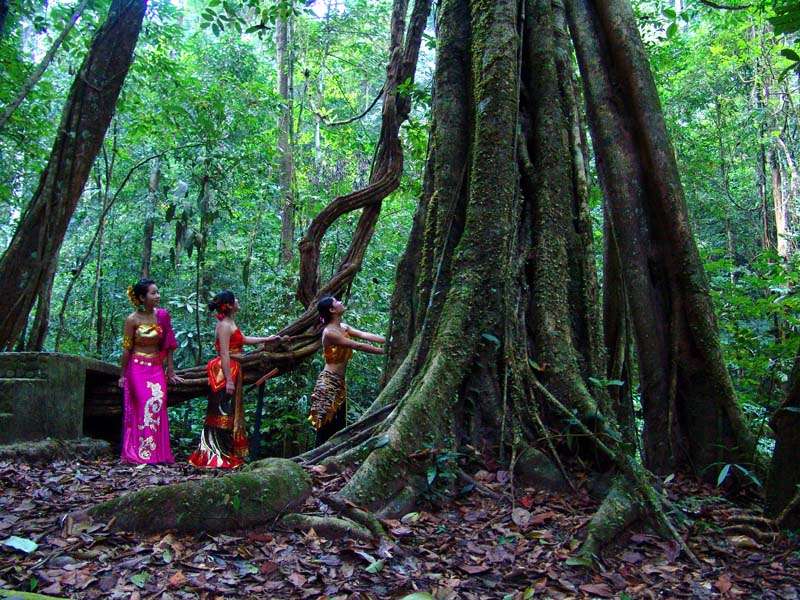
x: 256, y: 495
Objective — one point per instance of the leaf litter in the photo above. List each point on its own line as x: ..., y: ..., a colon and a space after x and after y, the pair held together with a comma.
x: 474, y: 547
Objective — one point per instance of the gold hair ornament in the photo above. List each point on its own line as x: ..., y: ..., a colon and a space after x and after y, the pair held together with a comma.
x: 132, y: 297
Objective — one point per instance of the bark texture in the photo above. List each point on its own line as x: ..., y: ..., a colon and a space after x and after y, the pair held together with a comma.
x: 283, y: 43
x: 506, y: 297
x: 255, y: 496
x: 690, y: 409
x: 26, y: 264
x: 784, y: 474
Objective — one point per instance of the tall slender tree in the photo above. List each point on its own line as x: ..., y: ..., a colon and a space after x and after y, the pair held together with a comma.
x: 29, y: 259
x: 153, y: 182
x: 284, y: 44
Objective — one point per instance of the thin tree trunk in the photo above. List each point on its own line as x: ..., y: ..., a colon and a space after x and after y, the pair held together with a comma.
x: 779, y: 207
x: 43, y: 64
x: 153, y: 183
x: 724, y: 173
x: 96, y: 312
x: 25, y: 265
x: 97, y: 298
x: 789, y: 197
x: 762, y: 94
x: 283, y: 42
x: 767, y: 224
x: 41, y: 322
x: 205, y: 199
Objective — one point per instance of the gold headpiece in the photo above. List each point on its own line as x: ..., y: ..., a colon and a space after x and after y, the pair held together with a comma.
x: 132, y: 297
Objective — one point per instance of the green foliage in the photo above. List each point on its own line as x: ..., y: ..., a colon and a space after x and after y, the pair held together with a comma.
x: 787, y: 16
x: 726, y: 469
x: 758, y: 322
x: 201, y: 98
x: 440, y: 474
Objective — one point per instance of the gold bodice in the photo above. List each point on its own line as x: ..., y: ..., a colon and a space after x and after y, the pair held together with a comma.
x: 147, y: 336
x: 335, y: 355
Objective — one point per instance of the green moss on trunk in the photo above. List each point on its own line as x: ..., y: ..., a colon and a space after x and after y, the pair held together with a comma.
x: 243, y: 499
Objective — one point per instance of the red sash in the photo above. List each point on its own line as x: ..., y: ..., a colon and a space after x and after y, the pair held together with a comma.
x: 216, y: 378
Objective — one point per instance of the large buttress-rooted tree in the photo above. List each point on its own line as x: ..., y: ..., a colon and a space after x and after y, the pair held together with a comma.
x: 502, y: 331
x: 27, y: 265
x: 495, y: 339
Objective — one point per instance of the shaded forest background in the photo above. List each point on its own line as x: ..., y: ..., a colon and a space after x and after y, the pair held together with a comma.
x: 238, y: 123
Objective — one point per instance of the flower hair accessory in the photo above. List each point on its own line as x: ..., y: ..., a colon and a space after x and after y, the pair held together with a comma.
x: 221, y: 308
x: 132, y: 297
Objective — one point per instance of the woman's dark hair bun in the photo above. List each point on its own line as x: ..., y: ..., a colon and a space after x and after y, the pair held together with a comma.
x: 223, y: 297
x: 142, y: 286
x: 324, y: 307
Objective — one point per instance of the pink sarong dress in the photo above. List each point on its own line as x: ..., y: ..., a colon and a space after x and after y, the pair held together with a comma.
x: 145, y: 433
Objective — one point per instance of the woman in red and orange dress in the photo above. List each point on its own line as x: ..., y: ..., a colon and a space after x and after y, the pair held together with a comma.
x: 223, y: 442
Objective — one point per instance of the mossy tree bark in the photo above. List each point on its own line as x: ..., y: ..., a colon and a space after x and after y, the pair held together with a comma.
x: 505, y: 313
x: 26, y: 266
x: 501, y: 340
x: 690, y: 409
x: 257, y: 495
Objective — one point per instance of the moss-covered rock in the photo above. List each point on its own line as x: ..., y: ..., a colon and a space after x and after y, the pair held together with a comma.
x: 253, y: 496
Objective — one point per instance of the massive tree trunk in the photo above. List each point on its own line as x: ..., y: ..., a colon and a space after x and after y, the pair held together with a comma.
x: 505, y: 320
x: 495, y: 333
x: 503, y: 337
x: 690, y: 410
x: 783, y: 484
x: 26, y: 263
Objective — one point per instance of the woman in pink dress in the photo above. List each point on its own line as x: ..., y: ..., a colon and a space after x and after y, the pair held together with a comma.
x: 147, y: 340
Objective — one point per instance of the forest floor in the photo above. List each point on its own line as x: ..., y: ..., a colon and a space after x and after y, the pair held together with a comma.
x: 510, y: 543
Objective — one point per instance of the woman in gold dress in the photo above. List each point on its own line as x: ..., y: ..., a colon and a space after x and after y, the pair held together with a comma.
x: 329, y: 398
